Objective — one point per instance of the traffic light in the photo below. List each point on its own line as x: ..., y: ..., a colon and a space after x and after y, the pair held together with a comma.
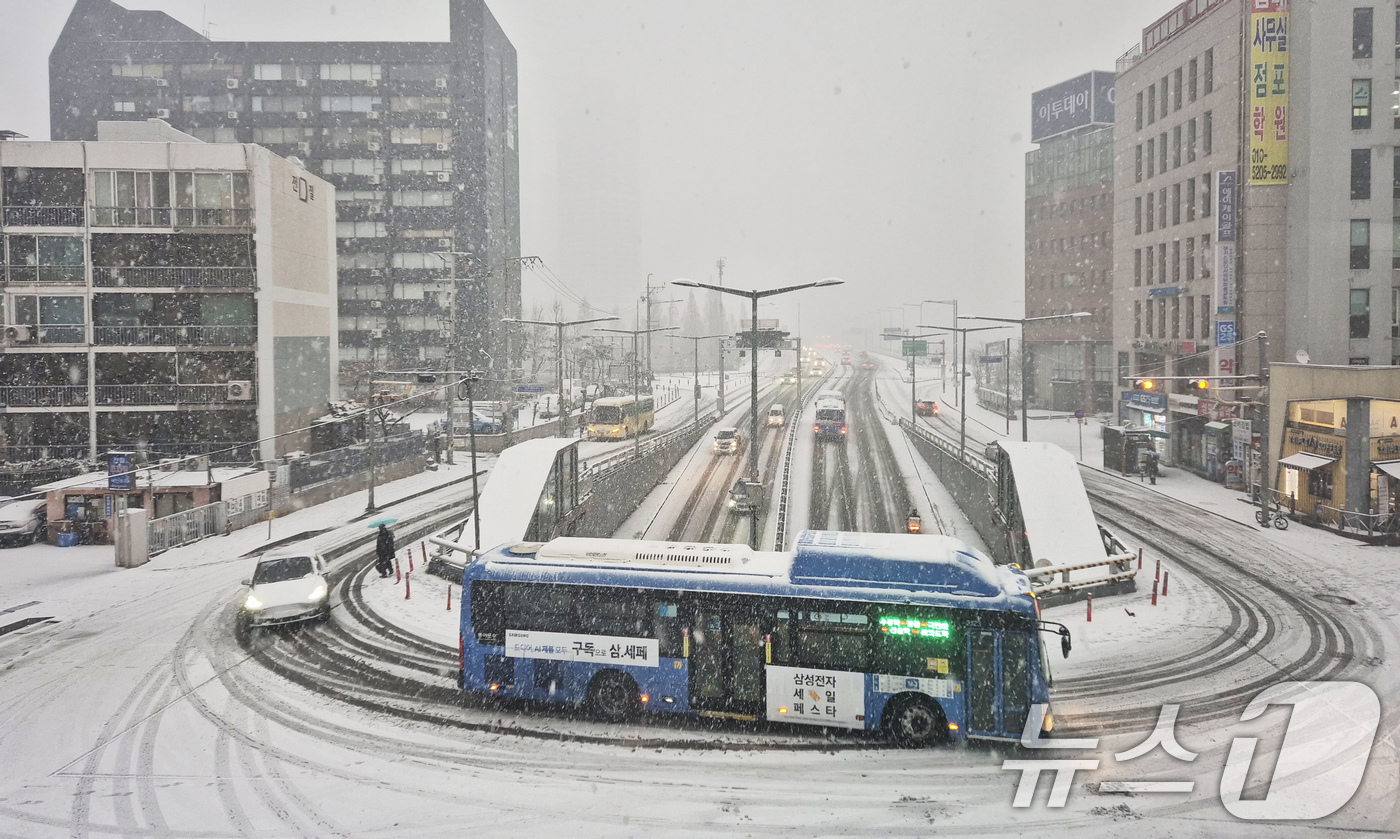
x: 1144, y: 384
x: 1199, y: 384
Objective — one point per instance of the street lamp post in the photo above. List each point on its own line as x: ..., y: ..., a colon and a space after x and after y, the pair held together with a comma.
x: 636, y: 362
x: 753, y: 296
x: 913, y: 380
x: 697, y: 339
x: 962, y: 373
x: 1025, y: 365
x: 559, y: 346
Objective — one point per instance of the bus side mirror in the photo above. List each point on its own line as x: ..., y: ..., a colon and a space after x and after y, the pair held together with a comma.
x: 1065, y: 643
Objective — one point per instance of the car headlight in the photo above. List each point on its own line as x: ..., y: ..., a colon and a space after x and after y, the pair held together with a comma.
x: 319, y: 593
x: 733, y: 503
x: 252, y: 604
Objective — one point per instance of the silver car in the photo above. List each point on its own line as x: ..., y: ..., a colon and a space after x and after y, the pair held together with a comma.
x: 286, y: 588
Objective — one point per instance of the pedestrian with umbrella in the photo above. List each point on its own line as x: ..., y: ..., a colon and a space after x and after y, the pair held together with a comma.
x: 384, y: 551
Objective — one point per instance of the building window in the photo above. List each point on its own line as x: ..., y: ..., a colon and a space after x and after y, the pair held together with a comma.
x: 213, y: 104
x: 42, y: 259
x: 211, y: 71
x: 1151, y: 158
x: 1395, y: 243
x: 1162, y: 207
x: 1191, y: 141
x: 1176, y: 204
x: 1164, y: 97
x: 1205, y: 317
x: 1360, y: 103
x: 141, y: 71
x: 420, y: 164
x: 1361, y: 313
x: 1206, y: 264
x: 421, y: 136
x: 1176, y: 92
x: 1362, y: 32
x: 1190, y: 319
x: 267, y: 72
x: 1151, y: 225
x: 1205, y: 194
x: 1176, y: 147
x: 1151, y: 104
x: 1360, y: 174
x: 1395, y: 102
x: 352, y: 166
x: 1190, y: 199
x: 1176, y: 318
x: 1162, y: 153
x: 59, y: 320
x: 276, y: 136
x: 1138, y: 123
x: 1137, y: 262
x: 1137, y: 168
x: 1147, y: 257
x: 215, y: 134
x: 1176, y: 260
x: 419, y: 103
x: 350, y: 104
x: 360, y: 230
x: 423, y: 197
x: 121, y: 106
x: 1149, y: 318
x: 1395, y: 313
x: 1360, y: 243
x: 1137, y: 215
x: 350, y: 72
x: 281, y: 104
x: 131, y: 198
x: 1190, y: 259
x: 1162, y: 318
x: 1208, y: 72
x: 1191, y: 80
x: 1206, y: 134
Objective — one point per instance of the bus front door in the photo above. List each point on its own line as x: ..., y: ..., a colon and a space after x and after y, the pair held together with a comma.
x: 726, y: 662
x: 998, y: 681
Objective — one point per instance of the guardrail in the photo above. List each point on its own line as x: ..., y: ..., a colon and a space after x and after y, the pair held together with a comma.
x: 1371, y: 524
x: 780, y: 534
x: 1120, y: 570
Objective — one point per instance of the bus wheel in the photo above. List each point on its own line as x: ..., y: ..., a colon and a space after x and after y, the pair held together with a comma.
x: 913, y: 722
x: 613, y: 696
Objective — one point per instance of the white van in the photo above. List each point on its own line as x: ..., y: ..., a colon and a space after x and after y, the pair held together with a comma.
x: 776, y: 415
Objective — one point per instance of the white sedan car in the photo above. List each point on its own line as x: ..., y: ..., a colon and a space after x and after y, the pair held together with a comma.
x: 286, y: 588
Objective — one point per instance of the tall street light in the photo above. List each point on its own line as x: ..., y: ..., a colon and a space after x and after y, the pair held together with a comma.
x: 754, y: 296
x: 697, y: 339
x: 1025, y: 356
x: 962, y: 373
x: 636, y: 362
x: 559, y: 345
x: 954, y: 304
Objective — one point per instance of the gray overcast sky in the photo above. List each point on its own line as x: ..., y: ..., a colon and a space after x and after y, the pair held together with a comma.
x: 879, y: 141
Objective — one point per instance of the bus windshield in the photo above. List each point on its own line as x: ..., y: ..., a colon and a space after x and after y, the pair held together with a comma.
x: 607, y: 414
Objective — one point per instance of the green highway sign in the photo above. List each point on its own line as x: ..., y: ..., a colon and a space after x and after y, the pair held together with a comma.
x: 915, y: 347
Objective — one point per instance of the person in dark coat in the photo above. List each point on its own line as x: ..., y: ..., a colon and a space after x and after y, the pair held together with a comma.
x: 384, y: 552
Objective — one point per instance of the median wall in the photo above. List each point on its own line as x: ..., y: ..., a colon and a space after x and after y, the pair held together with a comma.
x: 622, y: 482
x: 969, y: 485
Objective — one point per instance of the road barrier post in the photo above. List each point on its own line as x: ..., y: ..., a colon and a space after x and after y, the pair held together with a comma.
x: 449, y: 597
x: 398, y: 573
x: 1139, y: 559
x: 410, y: 560
x: 1089, y: 616
x: 1154, y: 592
x: 1157, y: 577
x: 408, y: 589
x: 1166, y: 575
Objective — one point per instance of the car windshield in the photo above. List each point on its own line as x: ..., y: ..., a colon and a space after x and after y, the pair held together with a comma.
x: 281, y: 569
x: 725, y: 435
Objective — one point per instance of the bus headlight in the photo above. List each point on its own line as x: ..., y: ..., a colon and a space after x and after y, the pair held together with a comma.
x: 252, y: 604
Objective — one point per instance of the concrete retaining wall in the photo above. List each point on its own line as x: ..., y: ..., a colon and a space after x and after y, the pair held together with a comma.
x: 617, y: 491
x: 969, y: 487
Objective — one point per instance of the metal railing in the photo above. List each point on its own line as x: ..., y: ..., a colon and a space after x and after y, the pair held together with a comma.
x: 44, y: 275
x: 171, y: 277
x: 163, y: 394
x: 24, y: 454
x: 795, y: 428
x: 185, y: 527
x: 74, y: 333
x: 174, y: 336
x: 1371, y: 524
x: 44, y: 216
x: 170, y: 217
x: 44, y: 396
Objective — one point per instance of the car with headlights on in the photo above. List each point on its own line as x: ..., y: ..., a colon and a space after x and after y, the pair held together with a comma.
x: 286, y: 587
x: 727, y: 441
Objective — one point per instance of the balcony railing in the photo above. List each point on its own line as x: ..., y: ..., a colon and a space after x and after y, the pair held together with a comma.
x: 44, y: 216
x: 20, y: 454
x: 55, y: 334
x: 44, y: 275
x: 166, y: 394
x: 170, y: 217
x: 174, y: 336
x: 171, y: 277
x: 44, y: 396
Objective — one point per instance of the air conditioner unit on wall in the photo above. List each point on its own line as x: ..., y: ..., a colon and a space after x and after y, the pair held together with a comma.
x: 231, y: 83
x: 442, y: 147
x: 440, y: 84
x: 374, y: 179
x: 441, y: 114
x: 444, y: 243
x: 371, y: 83
x: 240, y: 391
x: 303, y: 147
x: 301, y: 82
x: 372, y: 146
x: 163, y: 113
x: 376, y: 304
x: 162, y: 83
x: 233, y: 115
x: 443, y: 177
x: 372, y: 115
x: 376, y: 333
x: 197, y: 464
x: 18, y: 334
x: 302, y: 114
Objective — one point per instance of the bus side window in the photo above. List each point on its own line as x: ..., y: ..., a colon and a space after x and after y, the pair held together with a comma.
x: 535, y: 608
x: 666, y: 627
x: 622, y: 614
x: 782, y: 638
x: 834, y: 641
x: 486, y: 613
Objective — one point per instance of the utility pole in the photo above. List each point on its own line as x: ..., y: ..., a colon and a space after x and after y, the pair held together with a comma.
x: 754, y: 296
x: 719, y: 398
x: 961, y: 330
x: 1264, y: 483
x: 697, y: 339
x: 559, y: 347
x: 450, y: 258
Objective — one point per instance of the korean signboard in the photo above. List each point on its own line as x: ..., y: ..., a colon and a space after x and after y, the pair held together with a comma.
x: 566, y: 646
x: 817, y: 697
x: 1241, y: 431
x: 1081, y: 101
x: 119, y: 470
x: 1268, y: 92
x: 1155, y: 403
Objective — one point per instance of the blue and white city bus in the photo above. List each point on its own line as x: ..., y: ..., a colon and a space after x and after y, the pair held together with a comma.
x: 922, y: 637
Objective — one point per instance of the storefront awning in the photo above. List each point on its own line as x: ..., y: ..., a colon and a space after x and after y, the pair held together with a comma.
x: 1306, y: 462
x: 1216, y: 426
x: 1390, y: 467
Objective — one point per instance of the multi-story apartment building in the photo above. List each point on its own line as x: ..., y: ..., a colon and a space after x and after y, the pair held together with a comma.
x: 1069, y: 244
x: 418, y: 138
x: 162, y: 294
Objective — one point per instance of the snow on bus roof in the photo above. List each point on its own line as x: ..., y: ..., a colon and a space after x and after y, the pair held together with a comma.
x: 893, y: 560
x: 1060, y: 525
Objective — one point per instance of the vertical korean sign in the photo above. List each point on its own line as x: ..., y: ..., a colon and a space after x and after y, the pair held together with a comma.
x: 1268, y: 92
x: 1227, y: 197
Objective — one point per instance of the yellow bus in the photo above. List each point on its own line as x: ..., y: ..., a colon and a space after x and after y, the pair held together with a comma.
x: 619, y: 417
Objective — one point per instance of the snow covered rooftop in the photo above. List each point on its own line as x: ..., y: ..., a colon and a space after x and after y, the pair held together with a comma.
x: 155, y: 478
x: 1060, y: 525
